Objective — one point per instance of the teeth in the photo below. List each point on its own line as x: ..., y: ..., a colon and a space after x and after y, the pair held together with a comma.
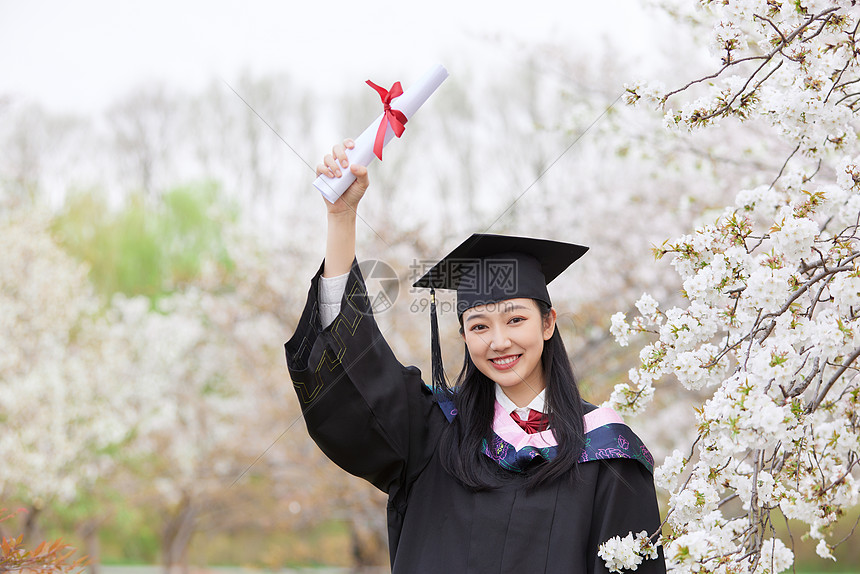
x: 505, y: 361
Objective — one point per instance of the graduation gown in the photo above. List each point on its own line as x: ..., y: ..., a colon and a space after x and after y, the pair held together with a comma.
x: 376, y: 419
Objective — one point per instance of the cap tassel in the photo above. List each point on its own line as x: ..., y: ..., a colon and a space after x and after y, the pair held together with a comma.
x: 440, y: 382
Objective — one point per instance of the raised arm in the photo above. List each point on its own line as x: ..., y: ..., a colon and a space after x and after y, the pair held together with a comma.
x: 366, y: 411
x: 340, y: 239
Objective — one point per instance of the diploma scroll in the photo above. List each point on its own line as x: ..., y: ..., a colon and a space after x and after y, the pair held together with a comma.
x: 362, y: 154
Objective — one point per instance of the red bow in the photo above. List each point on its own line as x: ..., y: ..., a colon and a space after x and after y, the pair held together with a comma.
x: 537, y: 421
x: 394, y: 117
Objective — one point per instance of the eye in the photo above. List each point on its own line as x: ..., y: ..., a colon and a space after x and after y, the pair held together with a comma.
x: 477, y: 327
x: 515, y: 320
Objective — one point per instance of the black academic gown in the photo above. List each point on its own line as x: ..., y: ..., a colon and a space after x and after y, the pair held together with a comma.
x: 376, y: 419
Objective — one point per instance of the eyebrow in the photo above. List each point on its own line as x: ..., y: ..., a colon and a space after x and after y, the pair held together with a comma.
x: 507, y: 309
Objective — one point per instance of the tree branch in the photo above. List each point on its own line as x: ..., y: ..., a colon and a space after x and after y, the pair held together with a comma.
x: 833, y: 379
x: 785, y: 40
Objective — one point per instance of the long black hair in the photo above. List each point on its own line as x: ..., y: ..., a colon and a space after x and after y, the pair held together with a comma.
x: 474, y: 396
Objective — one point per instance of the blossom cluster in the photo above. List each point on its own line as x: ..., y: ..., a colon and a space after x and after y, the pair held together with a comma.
x: 769, y: 331
x: 791, y: 63
x: 627, y: 553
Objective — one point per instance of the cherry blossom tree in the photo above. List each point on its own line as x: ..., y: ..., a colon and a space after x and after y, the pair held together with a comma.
x: 168, y: 400
x: 57, y: 363
x: 768, y: 332
x: 201, y: 353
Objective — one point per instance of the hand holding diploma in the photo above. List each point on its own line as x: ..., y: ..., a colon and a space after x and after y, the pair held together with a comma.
x: 340, y: 235
x: 397, y: 111
x: 336, y: 166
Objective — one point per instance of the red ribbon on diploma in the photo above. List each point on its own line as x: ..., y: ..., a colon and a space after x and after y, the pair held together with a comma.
x: 394, y: 117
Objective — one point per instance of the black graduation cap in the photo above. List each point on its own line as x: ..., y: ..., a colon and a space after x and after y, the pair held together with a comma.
x: 488, y: 268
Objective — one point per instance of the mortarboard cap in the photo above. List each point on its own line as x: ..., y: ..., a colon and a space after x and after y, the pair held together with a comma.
x: 488, y: 268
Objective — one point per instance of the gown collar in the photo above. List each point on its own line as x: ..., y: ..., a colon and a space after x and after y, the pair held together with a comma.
x: 606, y: 437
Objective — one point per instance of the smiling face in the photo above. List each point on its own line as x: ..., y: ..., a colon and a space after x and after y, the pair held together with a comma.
x: 505, y: 341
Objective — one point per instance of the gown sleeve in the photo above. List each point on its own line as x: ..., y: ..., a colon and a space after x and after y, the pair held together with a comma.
x: 625, y: 501
x: 368, y: 413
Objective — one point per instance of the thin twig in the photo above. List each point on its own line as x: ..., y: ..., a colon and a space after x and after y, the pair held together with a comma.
x: 834, y: 378
x: 849, y: 535
x: 782, y: 169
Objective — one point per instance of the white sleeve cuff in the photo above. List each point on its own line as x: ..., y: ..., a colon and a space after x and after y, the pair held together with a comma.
x: 330, y: 294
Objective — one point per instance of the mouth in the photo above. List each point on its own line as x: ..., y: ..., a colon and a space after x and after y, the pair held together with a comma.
x: 506, y: 362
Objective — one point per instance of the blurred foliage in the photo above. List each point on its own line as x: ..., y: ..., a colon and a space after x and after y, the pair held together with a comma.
x: 131, y: 536
x: 127, y: 531
x: 327, y: 544
x: 148, y: 248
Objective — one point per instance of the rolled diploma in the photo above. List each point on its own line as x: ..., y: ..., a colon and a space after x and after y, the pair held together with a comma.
x: 362, y: 154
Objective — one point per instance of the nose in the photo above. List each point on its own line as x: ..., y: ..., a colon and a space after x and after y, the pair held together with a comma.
x: 500, y: 341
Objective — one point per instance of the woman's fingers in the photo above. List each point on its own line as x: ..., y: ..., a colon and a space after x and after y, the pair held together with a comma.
x: 329, y: 167
x: 339, y: 151
x: 333, y: 162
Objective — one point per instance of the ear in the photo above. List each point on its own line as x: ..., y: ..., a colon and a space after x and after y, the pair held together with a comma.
x: 549, y: 325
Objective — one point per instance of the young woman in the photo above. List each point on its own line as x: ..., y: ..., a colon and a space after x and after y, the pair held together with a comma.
x: 509, y: 471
